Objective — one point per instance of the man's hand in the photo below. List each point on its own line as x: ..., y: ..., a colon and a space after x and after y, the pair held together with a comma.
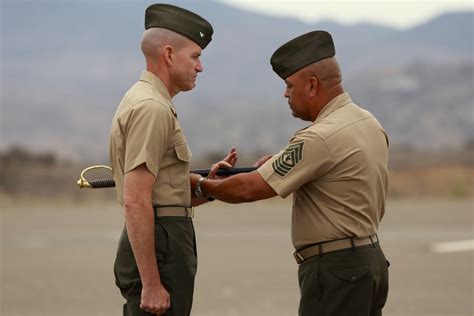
x: 231, y: 157
x: 228, y: 162
x: 155, y: 299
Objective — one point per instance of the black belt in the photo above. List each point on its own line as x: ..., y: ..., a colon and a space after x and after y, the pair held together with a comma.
x: 181, y: 211
x: 328, y: 246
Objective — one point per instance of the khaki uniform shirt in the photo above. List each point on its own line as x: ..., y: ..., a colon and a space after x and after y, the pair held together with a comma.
x: 145, y: 130
x: 337, y: 170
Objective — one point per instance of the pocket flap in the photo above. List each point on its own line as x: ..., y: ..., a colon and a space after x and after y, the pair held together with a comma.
x: 352, y: 275
x: 182, y: 152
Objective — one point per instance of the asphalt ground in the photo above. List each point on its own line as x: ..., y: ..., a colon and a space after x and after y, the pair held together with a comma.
x: 57, y: 259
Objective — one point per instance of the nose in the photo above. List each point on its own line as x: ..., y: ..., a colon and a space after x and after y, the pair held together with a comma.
x: 199, y: 67
x: 287, y: 93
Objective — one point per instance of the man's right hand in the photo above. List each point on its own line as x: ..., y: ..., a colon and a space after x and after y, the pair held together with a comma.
x: 155, y: 299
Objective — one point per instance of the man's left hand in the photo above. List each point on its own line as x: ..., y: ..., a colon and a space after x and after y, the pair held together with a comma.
x: 228, y: 162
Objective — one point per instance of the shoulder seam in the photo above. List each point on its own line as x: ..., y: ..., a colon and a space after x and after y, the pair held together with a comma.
x: 343, y: 127
x: 164, y: 105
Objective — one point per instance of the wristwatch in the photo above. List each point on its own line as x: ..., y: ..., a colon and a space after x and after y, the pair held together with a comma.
x: 199, y: 192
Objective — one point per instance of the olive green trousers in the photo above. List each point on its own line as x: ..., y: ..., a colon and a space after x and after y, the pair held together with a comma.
x: 175, y: 248
x: 349, y: 282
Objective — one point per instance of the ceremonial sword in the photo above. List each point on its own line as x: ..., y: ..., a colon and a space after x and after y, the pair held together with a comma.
x: 110, y: 183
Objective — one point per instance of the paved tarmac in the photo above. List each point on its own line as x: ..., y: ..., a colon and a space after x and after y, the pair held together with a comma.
x: 57, y: 259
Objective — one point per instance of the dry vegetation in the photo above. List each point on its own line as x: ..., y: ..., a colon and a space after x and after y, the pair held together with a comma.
x: 442, y: 173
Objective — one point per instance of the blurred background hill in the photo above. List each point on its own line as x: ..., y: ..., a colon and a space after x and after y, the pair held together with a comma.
x: 66, y: 65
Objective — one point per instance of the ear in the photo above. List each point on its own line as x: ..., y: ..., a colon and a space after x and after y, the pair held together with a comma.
x: 168, y: 54
x: 312, y: 86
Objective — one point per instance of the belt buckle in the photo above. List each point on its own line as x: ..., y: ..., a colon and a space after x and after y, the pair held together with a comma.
x: 298, y: 257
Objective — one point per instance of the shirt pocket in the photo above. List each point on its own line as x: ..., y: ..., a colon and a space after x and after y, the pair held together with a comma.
x: 179, y: 170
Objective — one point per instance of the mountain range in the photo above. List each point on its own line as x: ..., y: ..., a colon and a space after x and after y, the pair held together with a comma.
x: 66, y: 65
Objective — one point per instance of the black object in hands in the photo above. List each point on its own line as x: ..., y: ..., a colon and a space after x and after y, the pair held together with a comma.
x: 224, y: 172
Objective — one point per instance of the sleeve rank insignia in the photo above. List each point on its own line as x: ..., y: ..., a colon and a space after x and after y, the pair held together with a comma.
x: 289, y: 159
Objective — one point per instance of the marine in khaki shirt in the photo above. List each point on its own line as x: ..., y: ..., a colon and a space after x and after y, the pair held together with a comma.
x: 145, y: 130
x: 336, y: 169
x: 156, y: 259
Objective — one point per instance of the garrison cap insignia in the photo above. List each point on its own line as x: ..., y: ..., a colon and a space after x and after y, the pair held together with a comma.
x: 289, y: 159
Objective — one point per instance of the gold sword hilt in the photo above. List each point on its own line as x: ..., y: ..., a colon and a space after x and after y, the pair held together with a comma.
x: 83, y: 183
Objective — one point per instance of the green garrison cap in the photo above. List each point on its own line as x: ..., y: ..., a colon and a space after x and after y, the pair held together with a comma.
x: 301, y: 52
x: 180, y: 21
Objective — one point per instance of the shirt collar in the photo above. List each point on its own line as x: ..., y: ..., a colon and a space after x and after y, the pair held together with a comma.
x: 157, y: 84
x: 333, y: 105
